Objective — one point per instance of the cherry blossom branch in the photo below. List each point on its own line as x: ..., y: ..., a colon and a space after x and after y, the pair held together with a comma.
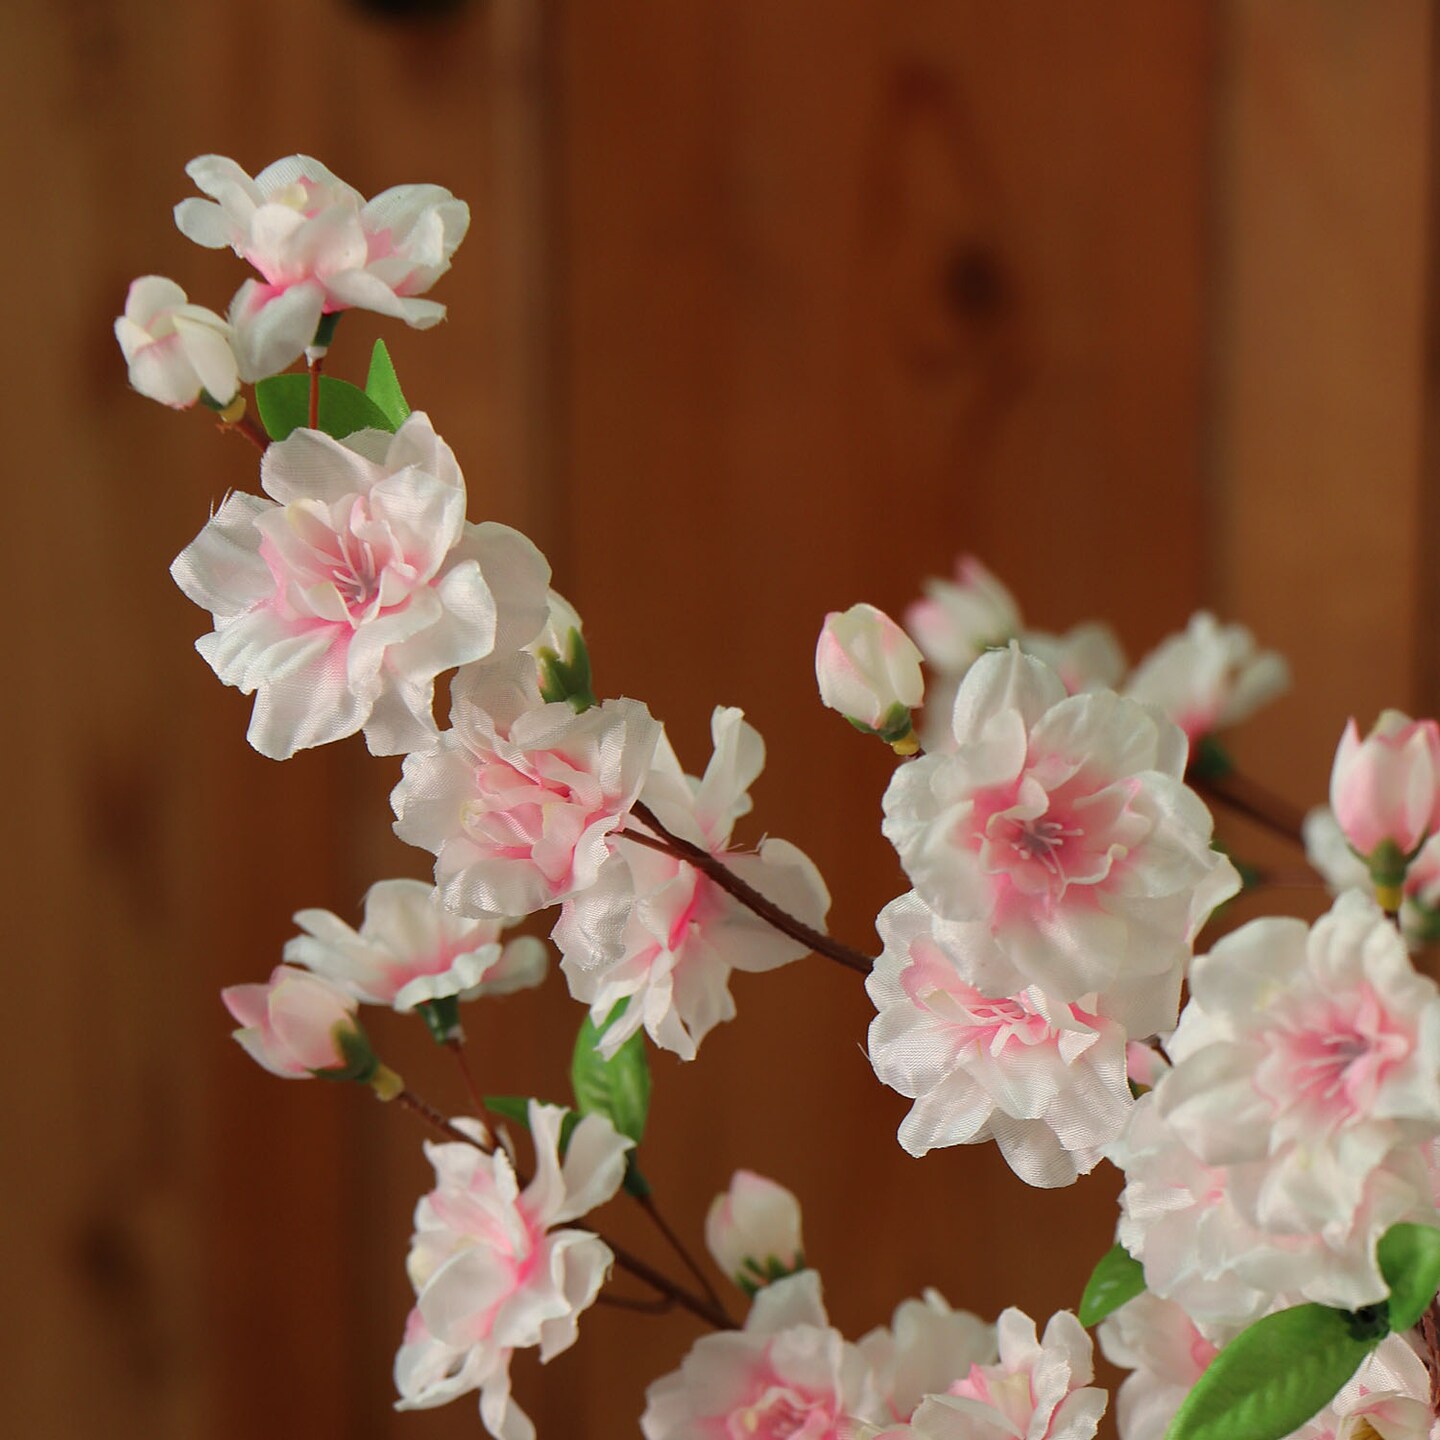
x: 1430, y: 1333
x: 1239, y: 793
x: 661, y: 1305
x: 709, y: 1310
x: 648, y: 1205
x: 247, y: 426
x: 718, y: 872
x: 456, y: 1046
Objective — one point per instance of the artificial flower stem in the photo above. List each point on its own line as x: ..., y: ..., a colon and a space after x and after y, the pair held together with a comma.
x: 747, y: 895
x: 456, y: 1046
x: 648, y: 1205
x: 316, y: 363
x: 661, y: 1305
x: 433, y: 1118
x: 1239, y: 793
x: 1430, y: 1333
x: 712, y: 1314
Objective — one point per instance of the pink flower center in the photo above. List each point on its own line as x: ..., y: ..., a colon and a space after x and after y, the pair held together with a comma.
x: 781, y: 1414
x: 1331, y: 1064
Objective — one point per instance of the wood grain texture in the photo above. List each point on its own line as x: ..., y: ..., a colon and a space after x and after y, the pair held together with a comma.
x: 765, y: 309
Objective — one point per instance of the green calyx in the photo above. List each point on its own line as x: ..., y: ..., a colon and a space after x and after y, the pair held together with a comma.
x: 358, y: 1060
x: 566, y: 677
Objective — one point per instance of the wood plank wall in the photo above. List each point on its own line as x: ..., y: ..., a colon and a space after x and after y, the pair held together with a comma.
x: 766, y: 308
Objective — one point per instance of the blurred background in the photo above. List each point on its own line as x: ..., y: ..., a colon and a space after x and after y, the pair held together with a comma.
x: 765, y: 308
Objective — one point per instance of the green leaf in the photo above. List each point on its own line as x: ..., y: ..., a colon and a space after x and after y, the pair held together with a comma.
x: 442, y: 1018
x: 1276, y: 1374
x: 1117, y: 1278
x: 284, y: 402
x: 517, y: 1108
x: 618, y: 1088
x: 383, y: 387
x: 1209, y: 761
x: 1409, y: 1257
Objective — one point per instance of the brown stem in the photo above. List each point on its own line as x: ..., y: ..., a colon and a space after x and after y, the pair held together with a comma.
x: 436, y: 1121
x: 648, y: 1205
x: 1242, y: 795
x: 710, y: 1311
x: 747, y: 895
x: 1430, y: 1334
x: 316, y: 365
x: 247, y: 426
x: 456, y: 1046
x: 658, y: 1306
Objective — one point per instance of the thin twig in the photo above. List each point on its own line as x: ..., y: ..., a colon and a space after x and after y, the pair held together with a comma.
x: 317, y: 363
x: 1430, y: 1333
x: 456, y: 1046
x: 433, y: 1118
x: 247, y: 426
x: 747, y: 895
x: 1245, y: 797
x: 648, y: 1205
x: 661, y: 1305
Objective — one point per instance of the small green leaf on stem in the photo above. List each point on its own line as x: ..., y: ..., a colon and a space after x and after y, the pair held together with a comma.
x: 383, y: 387
x: 1409, y: 1257
x: 284, y: 404
x: 1117, y: 1277
x: 618, y: 1088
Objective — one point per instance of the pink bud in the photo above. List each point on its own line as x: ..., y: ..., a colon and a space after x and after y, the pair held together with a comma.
x: 753, y: 1231
x: 868, y: 669
x: 1386, y: 787
x: 297, y: 1024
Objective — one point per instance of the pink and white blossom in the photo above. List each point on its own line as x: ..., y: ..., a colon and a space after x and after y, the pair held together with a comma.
x: 868, y: 669
x: 296, y: 1024
x: 926, y: 1349
x: 788, y: 1375
x: 1045, y: 1080
x: 1385, y: 789
x: 753, y: 1230
x: 653, y: 930
x: 175, y: 349
x: 1388, y: 1397
x: 1209, y: 676
x: 340, y: 598
x: 320, y: 248
x: 492, y: 1272
x: 410, y: 950
x: 1087, y: 657
x: 519, y: 800
x: 1297, y: 1123
x: 958, y: 620
x: 1039, y: 1390
x: 1060, y: 835
x: 1166, y: 1352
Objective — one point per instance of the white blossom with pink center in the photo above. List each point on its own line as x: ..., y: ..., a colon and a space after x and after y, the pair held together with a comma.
x: 1313, y: 1051
x: 927, y: 1347
x: 1329, y: 852
x: 1045, y: 1080
x: 958, y: 620
x: 519, y: 800
x: 175, y: 349
x: 1167, y: 1353
x: 655, y: 931
x: 1385, y: 788
x: 788, y: 1375
x: 410, y: 950
x: 320, y: 247
x: 295, y: 1025
x: 340, y: 598
x: 1388, y: 1397
x: 493, y: 1275
x: 1209, y: 676
x: 1038, y: 1390
x: 1194, y: 1226
x: 1060, y: 834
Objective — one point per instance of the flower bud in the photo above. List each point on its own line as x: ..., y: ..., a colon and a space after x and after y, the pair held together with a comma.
x: 175, y: 350
x: 298, y: 1025
x: 753, y: 1231
x: 869, y: 670
x: 1385, y: 792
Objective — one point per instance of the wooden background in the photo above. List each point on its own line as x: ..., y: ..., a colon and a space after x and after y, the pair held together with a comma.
x: 766, y: 308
